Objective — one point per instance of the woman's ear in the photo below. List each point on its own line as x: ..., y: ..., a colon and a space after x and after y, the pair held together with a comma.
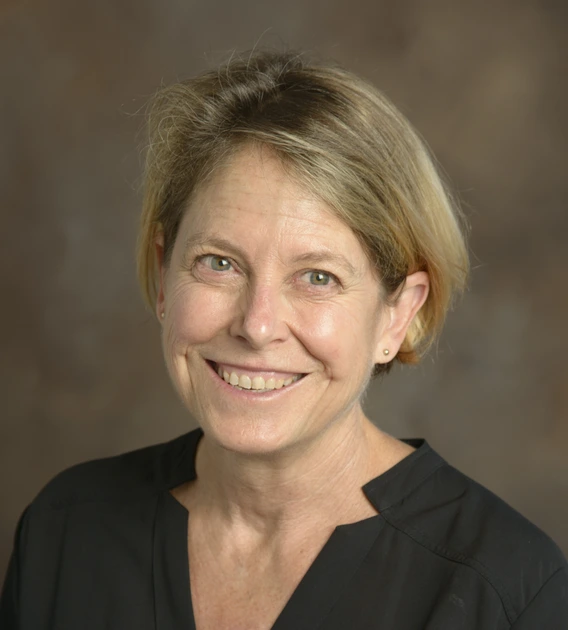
x: 160, y: 298
x: 399, y: 316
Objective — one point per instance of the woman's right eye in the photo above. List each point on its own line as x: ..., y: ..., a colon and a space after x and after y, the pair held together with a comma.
x: 216, y: 263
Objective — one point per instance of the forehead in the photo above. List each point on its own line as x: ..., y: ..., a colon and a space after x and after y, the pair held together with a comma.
x: 253, y: 200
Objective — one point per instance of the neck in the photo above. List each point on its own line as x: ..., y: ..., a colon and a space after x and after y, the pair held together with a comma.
x: 317, y: 481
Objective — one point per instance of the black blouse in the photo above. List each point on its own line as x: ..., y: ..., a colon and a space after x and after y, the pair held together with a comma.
x: 104, y: 546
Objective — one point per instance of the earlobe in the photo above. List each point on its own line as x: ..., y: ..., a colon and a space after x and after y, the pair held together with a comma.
x: 401, y: 314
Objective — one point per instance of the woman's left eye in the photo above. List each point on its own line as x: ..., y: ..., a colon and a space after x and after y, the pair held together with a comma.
x: 320, y: 278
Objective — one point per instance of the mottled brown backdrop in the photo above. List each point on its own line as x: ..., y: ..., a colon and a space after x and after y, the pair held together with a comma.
x: 485, y: 83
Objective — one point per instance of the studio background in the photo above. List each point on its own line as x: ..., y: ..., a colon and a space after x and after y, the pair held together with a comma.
x: 81, y: 367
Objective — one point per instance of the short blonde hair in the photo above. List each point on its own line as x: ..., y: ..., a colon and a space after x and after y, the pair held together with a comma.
x: 337, y: 135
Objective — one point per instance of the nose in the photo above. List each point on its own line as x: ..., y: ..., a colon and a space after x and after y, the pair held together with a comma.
x: 260, y: 318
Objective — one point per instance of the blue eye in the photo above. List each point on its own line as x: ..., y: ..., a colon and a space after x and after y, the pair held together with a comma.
x: 319, y: 278
x: 218, y: 263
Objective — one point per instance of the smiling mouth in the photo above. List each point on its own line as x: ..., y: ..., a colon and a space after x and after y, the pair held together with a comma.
x: 253, y: 382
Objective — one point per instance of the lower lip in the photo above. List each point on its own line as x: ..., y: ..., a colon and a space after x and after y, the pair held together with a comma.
x: 249, y: 394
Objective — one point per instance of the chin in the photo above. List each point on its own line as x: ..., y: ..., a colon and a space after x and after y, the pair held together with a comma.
x: 251, y: 437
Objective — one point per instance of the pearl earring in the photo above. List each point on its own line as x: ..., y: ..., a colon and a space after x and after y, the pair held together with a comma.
x: 386, y: 352
x: 162, y: 314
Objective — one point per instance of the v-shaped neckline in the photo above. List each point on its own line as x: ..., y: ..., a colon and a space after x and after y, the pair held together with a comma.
x: 312, y: 600
x: 330, y: 572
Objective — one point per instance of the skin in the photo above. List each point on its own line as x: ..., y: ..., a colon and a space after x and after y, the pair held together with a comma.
x: 291, y: 291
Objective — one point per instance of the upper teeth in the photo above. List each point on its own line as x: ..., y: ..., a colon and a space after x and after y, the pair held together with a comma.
x: 244, y: 381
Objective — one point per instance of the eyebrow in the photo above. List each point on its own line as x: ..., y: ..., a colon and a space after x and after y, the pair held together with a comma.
x: 324, y: 257
x: 201, y: 239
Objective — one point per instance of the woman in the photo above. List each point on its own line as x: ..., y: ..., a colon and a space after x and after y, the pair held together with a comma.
x: 296, y: 239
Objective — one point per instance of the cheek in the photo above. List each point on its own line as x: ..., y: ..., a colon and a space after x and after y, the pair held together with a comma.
x: 340, y: 338
x: 195, y: 315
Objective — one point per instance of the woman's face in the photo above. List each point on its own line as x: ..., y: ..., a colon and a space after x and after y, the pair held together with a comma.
x: 266, y: 288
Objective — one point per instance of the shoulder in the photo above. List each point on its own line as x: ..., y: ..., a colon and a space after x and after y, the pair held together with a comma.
x: 460, y: 520
x: 136, y: 473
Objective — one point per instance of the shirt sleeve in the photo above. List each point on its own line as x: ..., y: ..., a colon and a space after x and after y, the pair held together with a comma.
x: 549, y: 608
x: 9, y: 596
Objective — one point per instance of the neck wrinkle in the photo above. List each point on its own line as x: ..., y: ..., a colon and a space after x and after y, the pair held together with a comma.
x: 263, y: 498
